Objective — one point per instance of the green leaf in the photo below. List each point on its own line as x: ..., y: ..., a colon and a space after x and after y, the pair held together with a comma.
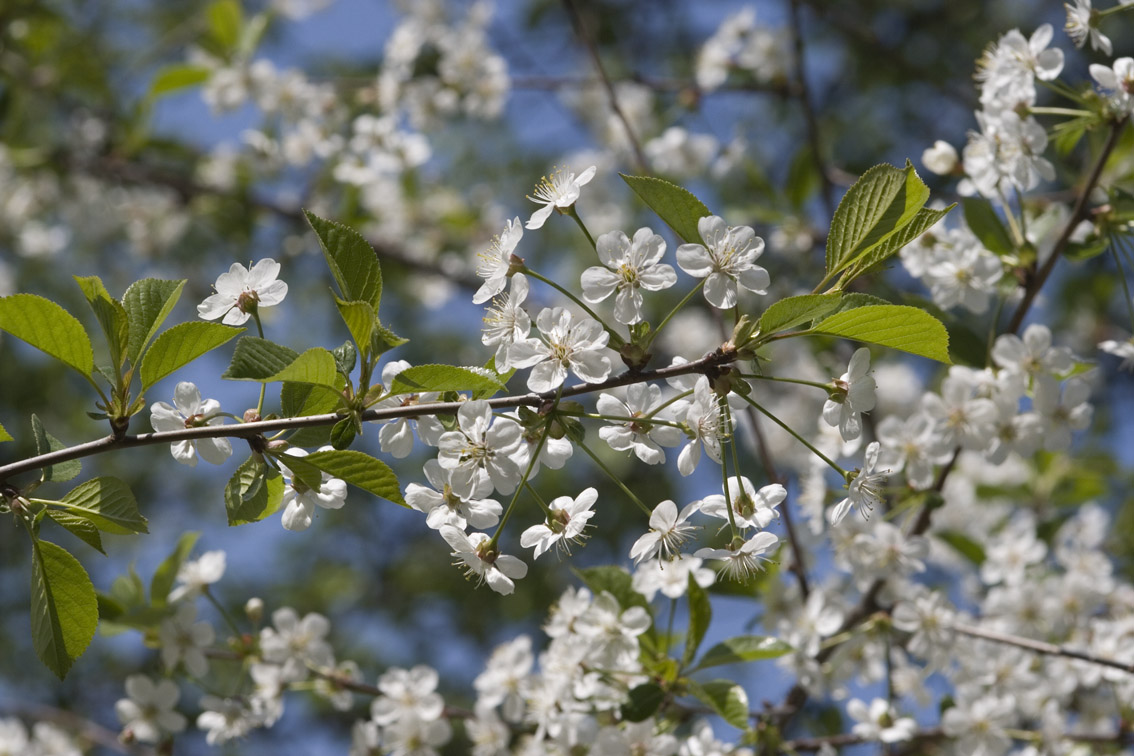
x: 360, y: 470
x: 303, y: 399
x: 254, y: 492
x: 225, y: 19
x: 642, y: 702
x: 256, y: 359
x: 180, y: 345
x: 963, y: 545
x: 700, y: 615
x: 346, y: 357
x: 111, y: 316
x: 5, y: 435
x: 383, y: 340
x: 45, y: 442
x: 891, y: 245
x: 724, y: 697
x: 352, y: 261
x: 983, y: 221
x: 80, y: 527
x: 148, y: 303
x: 674, y: 205
x: 743, y: 648
x: 360, y: 319
x: 178, y: 76
x: 897, y: 326
x: 166, y: 573
x: 420, y: 379
x: 49, y: 328
x: 795, y: 310
x: 64, y: 607
x: 616, y: 580
x: 316, y: 366
x: 343, y: 433
x: 108, y: 503
x: 802, y: 178
x: 884, y: 200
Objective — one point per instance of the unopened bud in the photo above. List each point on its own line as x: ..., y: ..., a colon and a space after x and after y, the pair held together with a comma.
x: 251, y: 416
x: 254, y: 609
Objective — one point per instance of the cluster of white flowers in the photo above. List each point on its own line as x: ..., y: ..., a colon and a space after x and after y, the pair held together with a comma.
x: 741, y: 46
x: 45, y: 739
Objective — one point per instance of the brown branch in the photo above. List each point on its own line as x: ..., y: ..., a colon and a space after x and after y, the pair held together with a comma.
x: 1040, y: 647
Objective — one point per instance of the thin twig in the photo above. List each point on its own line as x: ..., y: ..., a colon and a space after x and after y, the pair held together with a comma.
x: 809, y: 116
x: 1040, y: 647
x: 585, y: 38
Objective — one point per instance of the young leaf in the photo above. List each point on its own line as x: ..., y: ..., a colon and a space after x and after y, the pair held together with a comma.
x: 795, y: 310
x: 360, y: 470
x: 80, y: 527
x: 873, y: 257
x: 254, y: 492
x: 642, y: 702
x: 724, y: 697
x: 700, y: 615
x: 352, y: 260
x: 111, y: 316
x: 422, y: 378
x: 383, y: 340
x: 178, y: 76
x: 316, y: 366
x: 743, y: 648
x: 148, y: 303
x: 615, y: 580
x: 180, y: 345
x: 897, y: 326
x: 884, y: 200
x: 256, y: 359
x: 963, y: 545
x: 5, y: 435
x: 166, y: 573
x: 45, y: 442
x: 49, y: 328
x: 225, y: 19
x: 64, y: 607
x: 360, y: 319
x: 303, y: 399
x: 986, y: 224
x: 679, y: 208
x: 108, y: 503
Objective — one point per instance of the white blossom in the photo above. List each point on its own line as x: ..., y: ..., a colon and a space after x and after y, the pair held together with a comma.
x: 484, y: 562
x: 557, y: 191
x: 147, y: 714
x: 725, y: 261
x: 242, y: 291
x: 630, y: 266
x: 569, y: 343
x: 188, y: 411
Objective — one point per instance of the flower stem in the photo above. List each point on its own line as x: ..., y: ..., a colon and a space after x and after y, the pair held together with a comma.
x: 224, y: 614
x: 801, y: 382
x: 615, y: 478
x: 574, y: 214
x: 674, y: 311
x: 831, y: 463
x: 615, y: 340
x: 527, y: 473
x: 263, y: 386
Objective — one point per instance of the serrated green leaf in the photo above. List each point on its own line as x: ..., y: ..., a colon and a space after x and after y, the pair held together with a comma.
x: 80, y: 527
x: 617, y: 581
x: 166, y: 573
x: 792, y: 311
x: 420, y: 379
x: 983, y: 221
x: 148, y: 303
x: 352, y: 260
x: 678, y: 207
x: 346, y: 357
x: 111, y: 318
x: 884, y: 200
x: 308, y: 475
x: 64, y: 607
x: 108, y: 503
x: 897, y: 326
x: 49, y: 328
x: 642, y: 702
x: 700, y: 615
x: 873, y: 257
x: 360, y: 319
x: 359, y: 470
x: 963, y: 545
x: 743, y: 648
x: 5, y: 435
x: 316, y: 366
x: 178, y: 76
x: 303, y: 399
x: 180, y: 345
x: 502, y: 378
x: 724, y: 697
x: 44, y: 443
x: 256, y: 359
x: 343, y: 433
x: 225, y: 18
x: 242, y: 505
x: 383, y: 340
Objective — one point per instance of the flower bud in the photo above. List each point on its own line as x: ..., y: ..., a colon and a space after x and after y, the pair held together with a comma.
x: 254, y: 609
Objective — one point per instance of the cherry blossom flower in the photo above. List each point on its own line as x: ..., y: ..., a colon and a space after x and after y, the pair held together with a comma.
x: 1082, y: 24
x: 726, y: 260
x: 630, y: 267
x: 1118, y: 83
x: 196, y: 574
x: 485, y: 564
x: 185, y: 640
x: 941, y: 158
x: 496, y: 262
x: 707, y: 426
x: 880, y: 721
x: 147, y: 715
x: 407, y: 694
x: 444, y: 507
x: 742, y: 559
x: 667, y: 532
x: 1062, y: 412
x: 299, y: 501
x: 188, y: 411
x: 503, y: 677
x: 671, y: 576
x: 640, y: 435
x: 506, y: 322
x: 242, y: 291
x: 1123, y: 349
x: 864, y: 490
x: 578, y: 345
x: 1032, y: 355
x: 557, y: 192
x: 565, y: 523
x: 750, y: 508
x: 481, y: 444
x: 853, y: 394
x: 296, y: 643
x: 224, y: 719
